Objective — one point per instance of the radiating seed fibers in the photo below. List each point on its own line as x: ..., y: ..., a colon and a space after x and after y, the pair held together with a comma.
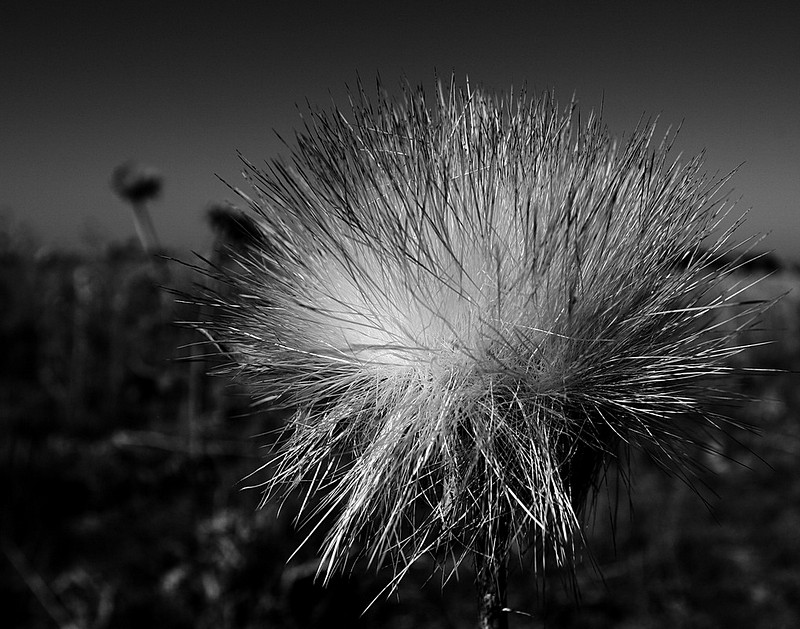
x: 473, y: 304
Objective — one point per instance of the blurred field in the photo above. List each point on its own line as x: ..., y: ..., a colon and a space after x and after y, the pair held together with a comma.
x: 121, y: 464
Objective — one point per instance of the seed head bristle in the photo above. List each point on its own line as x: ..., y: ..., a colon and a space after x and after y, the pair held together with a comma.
x: 472, y: 304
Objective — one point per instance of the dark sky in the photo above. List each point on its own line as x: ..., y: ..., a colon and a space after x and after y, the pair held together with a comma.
x: 85, y: 86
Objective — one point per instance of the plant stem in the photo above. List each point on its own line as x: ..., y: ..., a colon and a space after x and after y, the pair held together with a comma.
x: 491, y: 579
x: 144, y: 227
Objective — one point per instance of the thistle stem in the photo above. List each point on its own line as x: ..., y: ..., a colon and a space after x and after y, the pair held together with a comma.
x: 144, y: 228
x: 491, y: 579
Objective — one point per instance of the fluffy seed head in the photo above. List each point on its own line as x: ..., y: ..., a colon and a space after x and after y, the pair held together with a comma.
x: 471, y: 303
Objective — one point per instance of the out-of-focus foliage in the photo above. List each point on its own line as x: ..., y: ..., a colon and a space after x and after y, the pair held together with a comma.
x: 121, y: 466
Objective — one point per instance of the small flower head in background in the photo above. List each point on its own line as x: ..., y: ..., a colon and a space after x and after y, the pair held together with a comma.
x: 139, y: 185
x: 474, y: 305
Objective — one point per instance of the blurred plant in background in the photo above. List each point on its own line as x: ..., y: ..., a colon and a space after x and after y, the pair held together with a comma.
x: 139, y: 185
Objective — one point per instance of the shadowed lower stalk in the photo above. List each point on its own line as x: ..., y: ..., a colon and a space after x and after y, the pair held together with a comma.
x: 473, y: 306
x: 491, y: 579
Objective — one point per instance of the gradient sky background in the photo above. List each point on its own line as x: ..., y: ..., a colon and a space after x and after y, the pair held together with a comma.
x: 85, y: 86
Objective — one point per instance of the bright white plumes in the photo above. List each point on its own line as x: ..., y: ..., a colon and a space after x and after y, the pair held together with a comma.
x: 470, y: 305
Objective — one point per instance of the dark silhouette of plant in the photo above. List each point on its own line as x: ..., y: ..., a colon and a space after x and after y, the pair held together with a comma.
x: 232, y: 228
x: 139, y: 185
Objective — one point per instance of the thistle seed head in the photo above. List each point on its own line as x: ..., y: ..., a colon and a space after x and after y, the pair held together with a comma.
x: 472, y: 305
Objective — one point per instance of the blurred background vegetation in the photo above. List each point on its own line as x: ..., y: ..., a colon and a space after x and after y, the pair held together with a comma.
x: 122, y: 464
